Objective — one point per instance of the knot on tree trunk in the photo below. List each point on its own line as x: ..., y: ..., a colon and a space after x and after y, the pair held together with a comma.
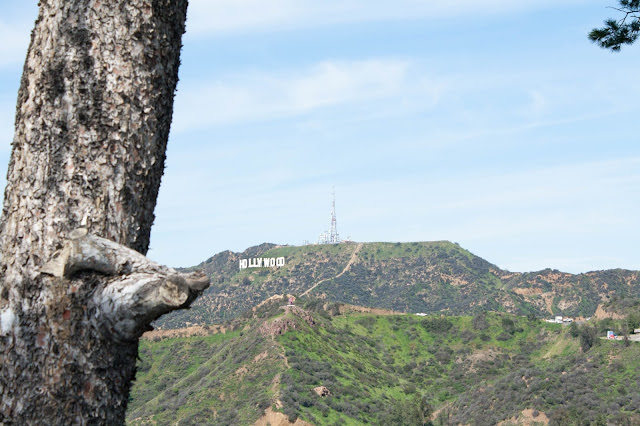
x: 135, y: 290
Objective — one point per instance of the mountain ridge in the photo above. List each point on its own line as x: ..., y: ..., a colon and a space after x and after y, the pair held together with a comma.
x: 430, y: 277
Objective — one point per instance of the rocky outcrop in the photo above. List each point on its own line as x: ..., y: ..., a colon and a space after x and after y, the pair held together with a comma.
x: 290, y: 321
x: 322, y: 391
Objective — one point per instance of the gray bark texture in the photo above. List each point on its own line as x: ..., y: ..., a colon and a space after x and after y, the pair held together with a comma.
x: 92, y: 121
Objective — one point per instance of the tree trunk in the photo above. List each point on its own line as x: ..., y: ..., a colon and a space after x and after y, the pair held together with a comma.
x: 92, y: 121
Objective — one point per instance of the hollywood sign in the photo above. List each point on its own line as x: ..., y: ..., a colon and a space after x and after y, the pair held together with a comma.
x: 262, y: 262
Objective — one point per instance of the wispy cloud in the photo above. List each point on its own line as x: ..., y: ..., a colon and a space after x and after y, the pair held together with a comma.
x: 463, y: 105
x: 557, y: 214
x: 583, y: 198
x: 257, y: 96
x: 544, y: 209
x: 546, y: 189
x: 214, y: 17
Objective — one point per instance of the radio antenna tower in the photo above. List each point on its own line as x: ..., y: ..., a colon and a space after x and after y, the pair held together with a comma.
x: 333, y: 232
x: 331, y: 236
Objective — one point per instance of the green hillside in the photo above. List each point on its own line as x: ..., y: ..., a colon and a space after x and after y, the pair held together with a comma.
x: 197, y: 380
x: 387, y: 369
x: 429, y: 277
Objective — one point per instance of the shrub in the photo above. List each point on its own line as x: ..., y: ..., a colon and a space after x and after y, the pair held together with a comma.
x: 508, y: 325
x: 503, y: 337
x: 443, y: 355
x: 588, y: 337
x: 573, y: 330
x: 437, y: 325
x: 467, y: 336
x: 479, y: 322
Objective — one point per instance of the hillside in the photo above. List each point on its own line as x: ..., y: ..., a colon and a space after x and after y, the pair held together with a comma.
x: 318, y: 366
x: 430, y: 277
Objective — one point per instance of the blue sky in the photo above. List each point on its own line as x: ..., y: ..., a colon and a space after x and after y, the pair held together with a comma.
x: 493, y: 124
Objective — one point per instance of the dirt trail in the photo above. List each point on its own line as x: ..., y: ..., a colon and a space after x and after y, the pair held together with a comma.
x: 275, y: 418
x: 194, y: 330
x: 346, y: 268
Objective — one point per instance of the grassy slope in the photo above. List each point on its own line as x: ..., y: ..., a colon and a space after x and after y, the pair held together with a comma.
x: 372, y: 363
x: 497, y: 364
x: 411, y: 277
x: 191, y: 380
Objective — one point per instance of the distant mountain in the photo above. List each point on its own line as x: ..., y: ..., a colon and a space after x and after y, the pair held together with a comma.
x: 429, y: 277
x: 324, y: 363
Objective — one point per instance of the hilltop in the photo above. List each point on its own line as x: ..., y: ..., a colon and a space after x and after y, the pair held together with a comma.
x: 429, y: 277
x: 326, y: 364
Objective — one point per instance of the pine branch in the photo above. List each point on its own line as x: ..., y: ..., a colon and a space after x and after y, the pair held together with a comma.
x: 615, y: 33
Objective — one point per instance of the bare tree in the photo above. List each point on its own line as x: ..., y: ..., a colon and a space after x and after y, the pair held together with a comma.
x: 92, y: 121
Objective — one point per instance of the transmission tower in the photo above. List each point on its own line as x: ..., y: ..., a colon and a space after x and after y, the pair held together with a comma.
x: 331, y: 236
x: 333, y: 231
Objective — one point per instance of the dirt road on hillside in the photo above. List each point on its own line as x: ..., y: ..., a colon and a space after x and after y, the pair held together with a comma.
x: 346, y: 268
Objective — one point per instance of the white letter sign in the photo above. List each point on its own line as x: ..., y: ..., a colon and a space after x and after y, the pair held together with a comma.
x: 260, y: 262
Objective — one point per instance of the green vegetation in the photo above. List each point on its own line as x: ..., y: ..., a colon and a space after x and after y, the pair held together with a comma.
x: 373, y: 364
x: 430, y: 277
x: 193, y: 380
x: 616, y: 32
x: 391, y: 369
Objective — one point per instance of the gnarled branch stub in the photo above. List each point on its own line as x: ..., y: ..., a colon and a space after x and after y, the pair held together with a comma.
x: 136, y: 290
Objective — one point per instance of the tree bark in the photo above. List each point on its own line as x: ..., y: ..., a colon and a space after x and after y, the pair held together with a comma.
x: 92, y: 121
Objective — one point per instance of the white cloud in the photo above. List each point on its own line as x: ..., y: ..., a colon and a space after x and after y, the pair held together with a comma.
x: 461, y: 107
x: 556, y: 204
x: 545, y: 188
x: 257, y: 96
x: 207, y: 17
x: 521, y: 220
